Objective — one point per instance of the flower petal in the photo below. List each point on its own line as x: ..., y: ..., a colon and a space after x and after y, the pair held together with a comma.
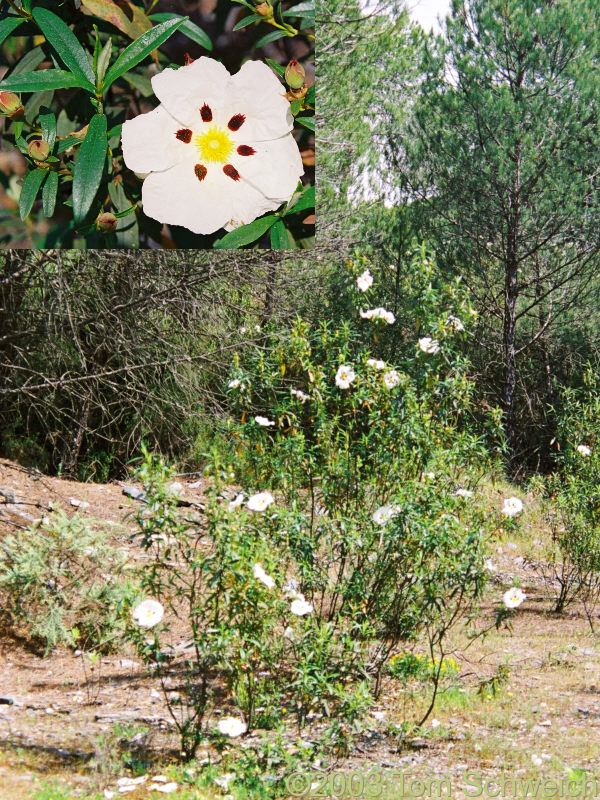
x: 274, y: 169
x: 150, y: 142
x: 178, y: 196
x: 184, y: 91
x: 257, y: 93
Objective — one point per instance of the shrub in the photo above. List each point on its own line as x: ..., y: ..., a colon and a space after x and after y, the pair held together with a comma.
x: 62, y: 583
x: 351, y: 514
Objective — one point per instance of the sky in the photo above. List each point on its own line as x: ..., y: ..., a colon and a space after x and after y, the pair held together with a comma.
x: 425, y: 12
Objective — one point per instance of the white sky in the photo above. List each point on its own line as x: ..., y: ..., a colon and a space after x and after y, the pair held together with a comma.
x: 426, y: 12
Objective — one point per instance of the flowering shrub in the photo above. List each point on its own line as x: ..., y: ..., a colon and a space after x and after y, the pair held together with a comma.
x: 119, y: 132
x: 573, y: 495
x: 347, y: 540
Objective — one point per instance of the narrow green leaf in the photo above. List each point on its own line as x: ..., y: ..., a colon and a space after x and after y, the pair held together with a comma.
x: 189, y: 28
x: 64, y: 144
x: 103, y: 61
x: 49, y: 193
x: 89, y: 167
x: 142, y: 47
x: 48, y: 122
x: 270, y: 37
x: 295, y: 107
x: 310, y: 95
x: 277, y: 67
x: 66, y: 44
x: 245, y: 21
x: 30, y: 61
x: 8, y: 25
x: 246, y: 233
x: 306, y: 200
x: 43, y: 79
x: 308, y: 122
x: 301, y: 10
x: 29, y: 190
x: 280, y: 237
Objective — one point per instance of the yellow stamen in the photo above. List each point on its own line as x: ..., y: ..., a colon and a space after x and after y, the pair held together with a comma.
x: 214, y: 145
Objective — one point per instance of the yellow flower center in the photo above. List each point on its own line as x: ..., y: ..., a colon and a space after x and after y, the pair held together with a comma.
x: 214, y: 145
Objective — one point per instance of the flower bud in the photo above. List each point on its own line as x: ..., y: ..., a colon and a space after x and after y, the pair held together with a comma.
x: 10, y: 104
x: 295, y: 75
x: 106, y: 222
x: 264, y: 9
x: 39, y: 150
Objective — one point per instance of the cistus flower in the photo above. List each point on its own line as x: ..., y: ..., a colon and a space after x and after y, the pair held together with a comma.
x: 262, y: 576
x: 513, y: 598
x: 455, y: 324
x: 364, y: 281
x: 583, y: 449
x: 218, y: 150
x: 379, y: 314
x: 384, y: 514
x: 231, y: 726
x: 429, y: 345
x: 148, y: 613
x: 512, y: 507
x: 301, y: 607
x: 376, y: 363
x: 391, y: 379
x: 260, y: 501
x: 264, y: 422
x: 344, y: 376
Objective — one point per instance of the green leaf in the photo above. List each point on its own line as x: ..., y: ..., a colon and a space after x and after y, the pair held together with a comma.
x: 103, y: 60
x: 295, y: 107
x: 48, y: 123
x: 64, y: 144
x: 310, y: 95
x: 29, y: 62
x: 49, y: 193
x: 306, y: 200
x: 308, y: 122
x: 89, y: 167
x: 66, y: 44
x: 246, y: 233
x: 245, y: 21
x: 124, y: 15
x: 29, y: 190
x: 280, y: 237
x: 277, y: 67
x: 8, y: 25
x: 270, y: 37
x: 142, y: 47
x: 190, y: 29
x: 43, y: 79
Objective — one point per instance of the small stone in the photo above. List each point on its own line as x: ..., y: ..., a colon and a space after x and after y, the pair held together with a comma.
x: 165, y: 788
x: 132, y: 781
x: 127, y: 664
x: 78, y: 503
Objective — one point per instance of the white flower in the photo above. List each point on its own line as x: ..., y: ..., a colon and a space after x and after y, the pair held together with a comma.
x: 237, y: 501
x: 379, y: 314
x: 264, y: 422
x: 344, y: 376
x: 234, y: 383
x: 376, y: 363
x: 463, y: 493
x: 429, y: 345
x: 300, y: 607
x: 260, y: 501
x: 302, y: 396
x: 218, y: 150
x: 364, y: 281
x: 148, y: 613
x: 391, y: 379
x: 429, y: 475
x: 288, y: 633
x: 512, y: 507
x: 263, y: 577
x: 513, y: 598
x: 537, y: 760
x: 489, y: 565
x: 384, y: 514
x: 583, y: 449
x: 231, y: 726
x: 455, y: 324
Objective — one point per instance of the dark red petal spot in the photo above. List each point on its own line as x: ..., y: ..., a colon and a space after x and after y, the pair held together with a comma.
x: 200, y: 171
x: 236, y: 122
x: 184, y: 135
x: 206, y: 113
x: 231, y: 172
x: 187, y: 59
x: 246, y: 150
